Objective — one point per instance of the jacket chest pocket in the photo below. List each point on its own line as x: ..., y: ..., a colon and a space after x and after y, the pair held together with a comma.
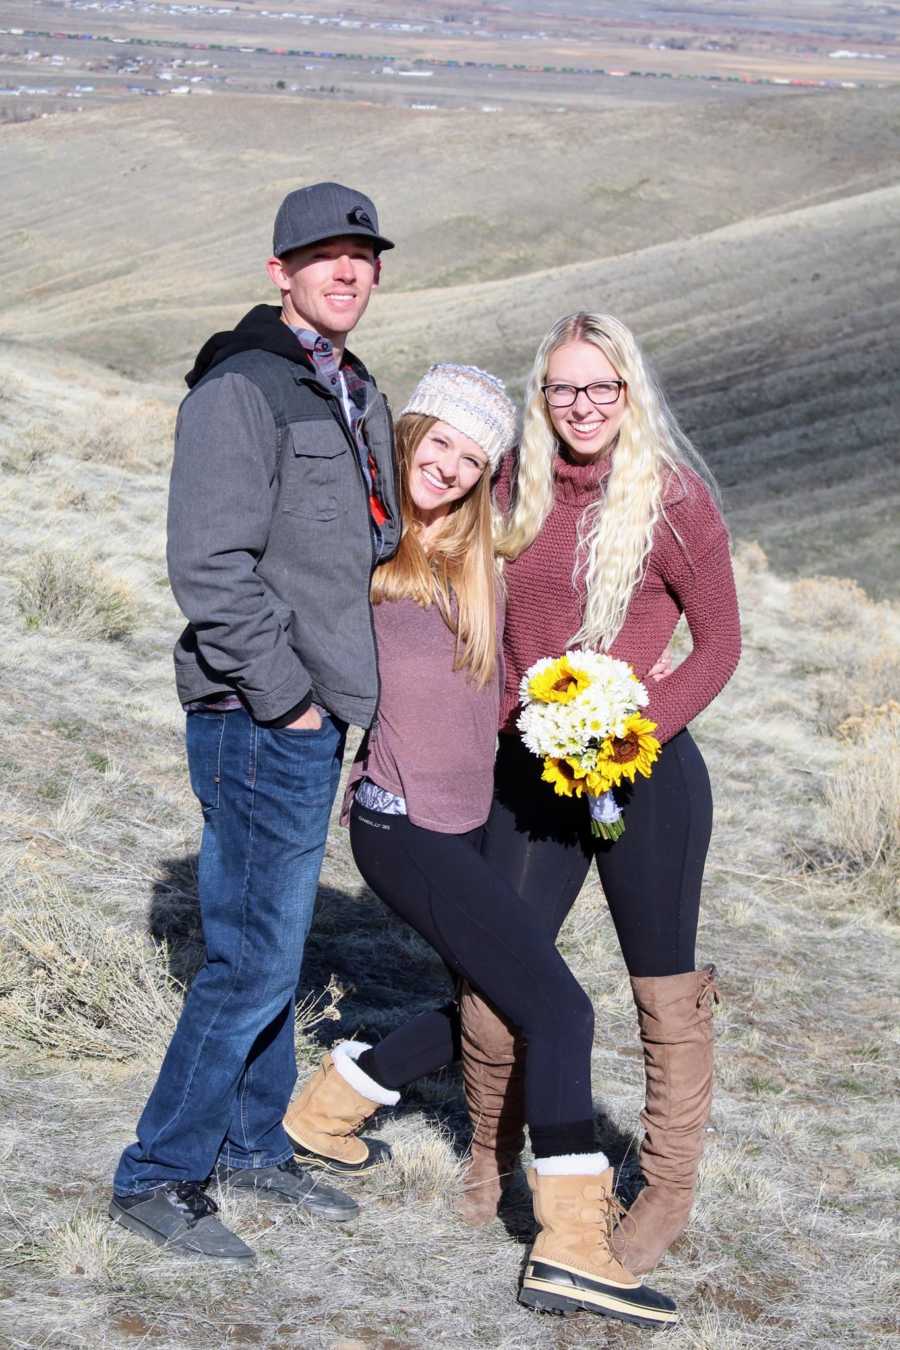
x: 317, y: 470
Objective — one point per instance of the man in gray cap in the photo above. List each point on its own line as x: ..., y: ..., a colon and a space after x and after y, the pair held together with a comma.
x: 283, y: 499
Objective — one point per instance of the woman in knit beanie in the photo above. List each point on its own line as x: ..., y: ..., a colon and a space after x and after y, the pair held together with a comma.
x: 611, y: 532
x: 419, y: 794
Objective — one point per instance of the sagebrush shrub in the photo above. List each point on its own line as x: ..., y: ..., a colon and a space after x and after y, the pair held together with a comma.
x: 863, y: 798
x: 83, y: 989
x: 133, y: 435
x: 74, y: 987
x: 66, y: 590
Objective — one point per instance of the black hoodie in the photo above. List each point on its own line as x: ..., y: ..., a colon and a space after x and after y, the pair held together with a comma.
x: 261, y: 329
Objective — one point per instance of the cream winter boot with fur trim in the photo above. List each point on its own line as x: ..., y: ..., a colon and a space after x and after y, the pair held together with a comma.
x: 322, y: 1122
x: 571, y: 1266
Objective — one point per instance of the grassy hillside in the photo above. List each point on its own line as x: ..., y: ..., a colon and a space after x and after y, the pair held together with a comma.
x: 790, y: 1246
x: 751, y: 247
x: 777, y: 342
x: 134, y: 230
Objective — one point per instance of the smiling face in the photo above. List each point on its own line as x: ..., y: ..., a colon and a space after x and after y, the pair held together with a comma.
x: 584, y: 428
x: 445, y: 466
x: 326, y: 286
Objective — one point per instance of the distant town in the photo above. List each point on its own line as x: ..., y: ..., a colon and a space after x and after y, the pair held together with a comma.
x: 132, y: 48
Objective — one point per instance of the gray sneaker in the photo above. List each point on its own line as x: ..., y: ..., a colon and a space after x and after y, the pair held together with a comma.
x: 181, y: 1216
x: 293, y: 1185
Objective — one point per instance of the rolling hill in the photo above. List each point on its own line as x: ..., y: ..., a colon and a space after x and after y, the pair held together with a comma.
x: 751, y: 246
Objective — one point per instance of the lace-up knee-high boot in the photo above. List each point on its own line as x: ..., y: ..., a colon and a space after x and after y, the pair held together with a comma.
x: 675, y: 1013
x: 492, y: 1060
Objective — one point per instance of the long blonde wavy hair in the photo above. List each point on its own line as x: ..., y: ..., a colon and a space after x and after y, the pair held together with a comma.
x: 458, y: 564
x: 615, y: 533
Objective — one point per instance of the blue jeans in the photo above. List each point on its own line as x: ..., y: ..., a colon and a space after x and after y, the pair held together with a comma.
x: 229, y: 1071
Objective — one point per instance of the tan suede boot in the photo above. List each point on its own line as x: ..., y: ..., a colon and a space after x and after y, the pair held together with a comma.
x: 675, y: 1014
x: 322, y: 1122
x: 571, y: 1265
x: 492, y: 1061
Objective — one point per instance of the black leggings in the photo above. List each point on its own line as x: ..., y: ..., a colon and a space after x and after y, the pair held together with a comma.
x: 542, y: 845
x: 442, y: 886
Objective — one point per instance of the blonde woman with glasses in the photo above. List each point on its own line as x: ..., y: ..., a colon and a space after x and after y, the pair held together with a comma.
x: 611, y: 531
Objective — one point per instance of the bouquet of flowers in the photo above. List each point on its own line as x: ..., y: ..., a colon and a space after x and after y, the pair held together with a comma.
x: 581, y: 714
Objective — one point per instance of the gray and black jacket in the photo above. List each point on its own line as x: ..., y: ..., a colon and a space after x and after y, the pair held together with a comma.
x: 270, y: 545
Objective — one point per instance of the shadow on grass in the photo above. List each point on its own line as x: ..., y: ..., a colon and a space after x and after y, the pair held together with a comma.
x: 389, y: 975
x: 174, y: 916
x: 387, y: 972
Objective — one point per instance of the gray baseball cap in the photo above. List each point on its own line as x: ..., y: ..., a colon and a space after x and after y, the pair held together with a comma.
x: 325, y: 211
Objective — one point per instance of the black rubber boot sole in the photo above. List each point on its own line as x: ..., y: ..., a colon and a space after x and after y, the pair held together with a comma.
x: 603, y: 1300
x: 559, y: 1306
x: 379, y: 1154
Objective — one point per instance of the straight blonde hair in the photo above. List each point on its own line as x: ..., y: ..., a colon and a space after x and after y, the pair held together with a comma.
x: 456, y: 572
x: 615, y: 533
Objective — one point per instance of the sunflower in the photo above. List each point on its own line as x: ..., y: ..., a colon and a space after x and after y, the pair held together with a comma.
x: 566, y: 775
x: 558, y: 682
x: 634, y: 752
x: 599, y: 780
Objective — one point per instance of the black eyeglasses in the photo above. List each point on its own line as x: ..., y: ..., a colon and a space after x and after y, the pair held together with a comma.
x: 600, y: 393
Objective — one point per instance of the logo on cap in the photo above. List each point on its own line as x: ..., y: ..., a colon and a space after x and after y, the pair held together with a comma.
x: 359, y: 216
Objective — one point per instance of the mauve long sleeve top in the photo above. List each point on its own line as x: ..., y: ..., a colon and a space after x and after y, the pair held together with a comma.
x: 688, y: 571
x: 435, y: 734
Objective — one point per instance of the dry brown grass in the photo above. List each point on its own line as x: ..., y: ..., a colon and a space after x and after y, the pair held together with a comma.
x: 137, y: 437
x: 78, y: 989
x: 790, y: 1243
x: 74, y: 988
x: 73, y: 413
x: 426, y: 1169
x: 134, y: 434
x: 863, y: 807
x: 126, y: 432
x: 854, y: 649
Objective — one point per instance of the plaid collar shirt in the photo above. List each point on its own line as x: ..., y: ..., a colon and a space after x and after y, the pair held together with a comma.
x: 354, y: 389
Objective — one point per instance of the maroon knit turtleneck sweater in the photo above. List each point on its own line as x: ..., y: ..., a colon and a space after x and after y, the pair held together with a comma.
x: 693, y: 577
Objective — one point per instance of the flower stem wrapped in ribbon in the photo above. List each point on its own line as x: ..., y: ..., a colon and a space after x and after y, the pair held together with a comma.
x: 581, y: 715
